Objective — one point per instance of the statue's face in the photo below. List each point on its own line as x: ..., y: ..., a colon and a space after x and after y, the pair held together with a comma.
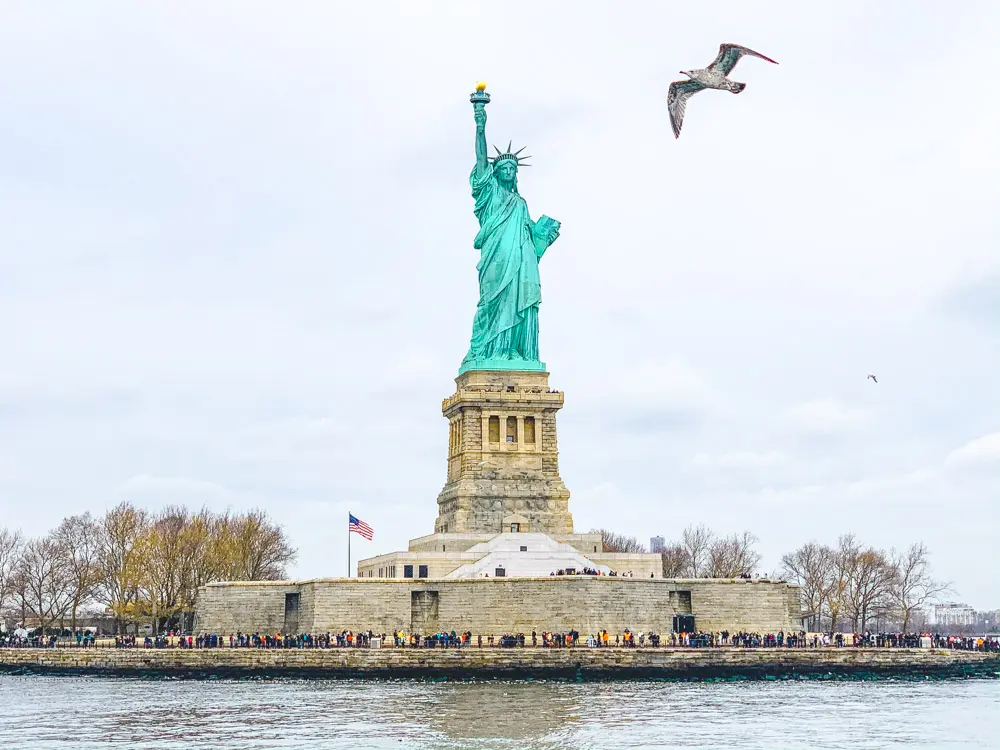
x: 506, y: 173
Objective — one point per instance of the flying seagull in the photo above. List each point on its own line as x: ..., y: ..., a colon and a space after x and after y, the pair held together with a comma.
x: 712, y: 77
x: 872, y: 377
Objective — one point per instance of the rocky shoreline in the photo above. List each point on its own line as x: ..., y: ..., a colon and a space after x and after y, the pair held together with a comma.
x: 513, y: 663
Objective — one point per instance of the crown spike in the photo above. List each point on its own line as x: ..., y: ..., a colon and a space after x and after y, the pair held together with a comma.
x: 509, y: 155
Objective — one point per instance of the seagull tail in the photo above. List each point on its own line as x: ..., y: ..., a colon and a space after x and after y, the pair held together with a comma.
x: 737, y: 88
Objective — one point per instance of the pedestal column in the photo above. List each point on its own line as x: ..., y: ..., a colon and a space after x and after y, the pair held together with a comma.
x: 494, y: 471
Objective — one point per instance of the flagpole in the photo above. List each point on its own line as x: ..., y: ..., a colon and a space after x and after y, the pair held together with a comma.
x: 348, y: 544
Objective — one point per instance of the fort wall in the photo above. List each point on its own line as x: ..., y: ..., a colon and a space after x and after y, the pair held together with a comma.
x: 497, y: 605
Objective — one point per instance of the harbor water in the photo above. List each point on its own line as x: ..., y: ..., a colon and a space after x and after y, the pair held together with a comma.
x: 84, y: 713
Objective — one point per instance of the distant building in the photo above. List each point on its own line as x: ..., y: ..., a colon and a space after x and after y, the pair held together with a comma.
x: 990, y: 620
x: 656, y: 544
x: 951, y: 614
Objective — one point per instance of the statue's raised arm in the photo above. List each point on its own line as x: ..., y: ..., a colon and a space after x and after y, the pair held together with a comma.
x: 479, y: 101
x: 479, y: 112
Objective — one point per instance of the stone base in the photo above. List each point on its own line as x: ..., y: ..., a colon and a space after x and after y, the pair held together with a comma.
x: 493, y: 505
x: 503, y: 469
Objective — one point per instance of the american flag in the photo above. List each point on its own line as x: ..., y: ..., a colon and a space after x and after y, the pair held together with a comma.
x: 360, y: 527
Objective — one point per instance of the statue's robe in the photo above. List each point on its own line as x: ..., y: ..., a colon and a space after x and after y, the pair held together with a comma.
x: 505, y: 326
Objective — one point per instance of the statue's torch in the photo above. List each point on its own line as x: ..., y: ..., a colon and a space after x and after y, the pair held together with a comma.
x: 479, y: 98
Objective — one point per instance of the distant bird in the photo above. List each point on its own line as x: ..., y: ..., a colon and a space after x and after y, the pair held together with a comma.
x: 712, y: 77
x: 872, y: 377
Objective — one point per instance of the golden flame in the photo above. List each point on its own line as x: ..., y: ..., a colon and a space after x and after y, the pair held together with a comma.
x: 481, y: 86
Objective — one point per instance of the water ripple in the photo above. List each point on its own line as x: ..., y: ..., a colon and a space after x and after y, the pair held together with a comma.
x: 83, y: 713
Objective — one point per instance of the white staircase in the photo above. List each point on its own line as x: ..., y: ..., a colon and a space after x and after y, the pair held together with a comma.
x: 525, y: 555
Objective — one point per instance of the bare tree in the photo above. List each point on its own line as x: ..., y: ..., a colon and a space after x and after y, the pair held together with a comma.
x: 45, y: 589
x: 697, y: 541
x: 163, y: 583
x: 918, y: 622
x: 10, y: 551
x: 733, y: 556
x: 203, y: 557
x: 811, y: 567
x: 913, y: 586
x: 674, y: 561
x: 78, y: 538
x: 122, y: 560
x: 262, y: 549
x: 612, y: 542
x: 178, y: 552
x: 837, y: 591
x: 870, y: 585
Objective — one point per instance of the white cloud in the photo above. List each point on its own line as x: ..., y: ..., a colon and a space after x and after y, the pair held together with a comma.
x: 741, y: 460
x: 895, y: 491
x: 983, y: 450
x: 825, y: 416
x: 671, y: 387
x: 880, y: 486
x: 177, y: 487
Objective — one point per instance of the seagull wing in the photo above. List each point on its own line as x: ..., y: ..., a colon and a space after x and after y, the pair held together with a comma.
x: 730, y: 54
x: 677, y: 97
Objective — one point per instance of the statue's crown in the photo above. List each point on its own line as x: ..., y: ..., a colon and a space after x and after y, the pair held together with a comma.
x: 507, y: 155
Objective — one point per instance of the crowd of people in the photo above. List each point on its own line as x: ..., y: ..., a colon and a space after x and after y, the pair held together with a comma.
x: 592, y: 572
x: 964, y: 643
x: 545, y: 639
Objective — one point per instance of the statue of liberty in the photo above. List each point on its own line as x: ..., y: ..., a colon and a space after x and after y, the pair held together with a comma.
x: 505, y: 327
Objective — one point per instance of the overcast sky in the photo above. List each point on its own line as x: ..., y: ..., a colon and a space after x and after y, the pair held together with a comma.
x: 236, y: 264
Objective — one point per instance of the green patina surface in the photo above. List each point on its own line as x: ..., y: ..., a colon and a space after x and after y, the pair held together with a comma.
x: 510, y: 244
